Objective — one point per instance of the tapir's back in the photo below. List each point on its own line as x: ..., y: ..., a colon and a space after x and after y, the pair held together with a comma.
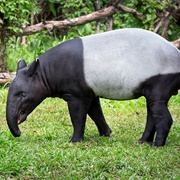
x: 117, y: 62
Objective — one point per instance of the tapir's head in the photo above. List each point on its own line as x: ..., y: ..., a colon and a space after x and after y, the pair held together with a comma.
x: 25, y: 93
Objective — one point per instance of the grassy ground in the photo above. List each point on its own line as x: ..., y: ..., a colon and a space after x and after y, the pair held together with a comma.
x: 43, y: 150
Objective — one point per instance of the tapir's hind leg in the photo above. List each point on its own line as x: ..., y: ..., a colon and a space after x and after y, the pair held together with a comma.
x: 148, y: 135
x: 163, y: 121
x: 159, y: 120
x: 96, y: 114
x: 157, y: 92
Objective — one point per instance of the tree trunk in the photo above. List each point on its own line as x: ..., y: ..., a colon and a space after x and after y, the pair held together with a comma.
x: 3, y: 67
x: 97, y: 7
x: 109, y: 23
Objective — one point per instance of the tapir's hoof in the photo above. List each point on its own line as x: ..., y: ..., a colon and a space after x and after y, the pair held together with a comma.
x: 158, y: 143
x: 76, y: 140
x: 107, y: 133
x: 140, y: 141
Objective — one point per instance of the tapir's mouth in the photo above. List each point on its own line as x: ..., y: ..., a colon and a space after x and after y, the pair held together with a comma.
x: 22, y: 117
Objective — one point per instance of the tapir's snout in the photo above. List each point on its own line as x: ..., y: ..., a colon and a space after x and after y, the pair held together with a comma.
x: 12, y: 118
x: 12, y: 122
x: 13, y: 126
x: 15, y: 133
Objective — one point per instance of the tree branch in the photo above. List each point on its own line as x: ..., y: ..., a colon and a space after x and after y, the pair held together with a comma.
x: 107, y: 12
x: 6, y: 77
x: 132, y: 11
x: 161, y: 22
x: 49, y: 25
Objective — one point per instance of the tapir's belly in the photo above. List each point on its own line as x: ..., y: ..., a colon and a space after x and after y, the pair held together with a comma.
x: 116, y: 64
x: 118, y: 81
x: 113, y: 80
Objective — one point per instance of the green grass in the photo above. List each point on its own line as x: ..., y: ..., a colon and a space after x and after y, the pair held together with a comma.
x: 43, y: 151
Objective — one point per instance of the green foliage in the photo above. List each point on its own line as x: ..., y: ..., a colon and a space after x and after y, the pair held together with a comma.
x: 41, y: 42
x: 43, y: 150
x: 76, y: 8
x: 52, y: 7
x: 79, y: 31
x: 37, y: 44
x: 14, y: 14
x: 149, y: 8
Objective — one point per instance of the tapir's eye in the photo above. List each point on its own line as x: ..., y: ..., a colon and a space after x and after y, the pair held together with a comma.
x: 23, y: 94
x: 20, y: 94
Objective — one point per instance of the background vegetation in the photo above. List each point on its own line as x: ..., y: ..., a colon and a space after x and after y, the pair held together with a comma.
x: 18, y: 18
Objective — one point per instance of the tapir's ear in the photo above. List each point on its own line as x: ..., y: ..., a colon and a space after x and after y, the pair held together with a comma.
x: 21, y: 64
x: 32, y: 68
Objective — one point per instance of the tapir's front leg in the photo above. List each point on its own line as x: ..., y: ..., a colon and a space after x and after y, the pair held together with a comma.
x: 96, y: 114
x: 78, y: 111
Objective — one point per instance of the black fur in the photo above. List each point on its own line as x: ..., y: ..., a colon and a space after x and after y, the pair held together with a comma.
x: 157, y: 91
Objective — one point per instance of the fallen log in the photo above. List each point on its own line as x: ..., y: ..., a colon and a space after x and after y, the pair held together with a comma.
x: 7, y: 77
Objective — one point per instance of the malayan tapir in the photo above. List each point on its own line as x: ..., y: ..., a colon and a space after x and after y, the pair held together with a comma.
x: 119, y: 65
